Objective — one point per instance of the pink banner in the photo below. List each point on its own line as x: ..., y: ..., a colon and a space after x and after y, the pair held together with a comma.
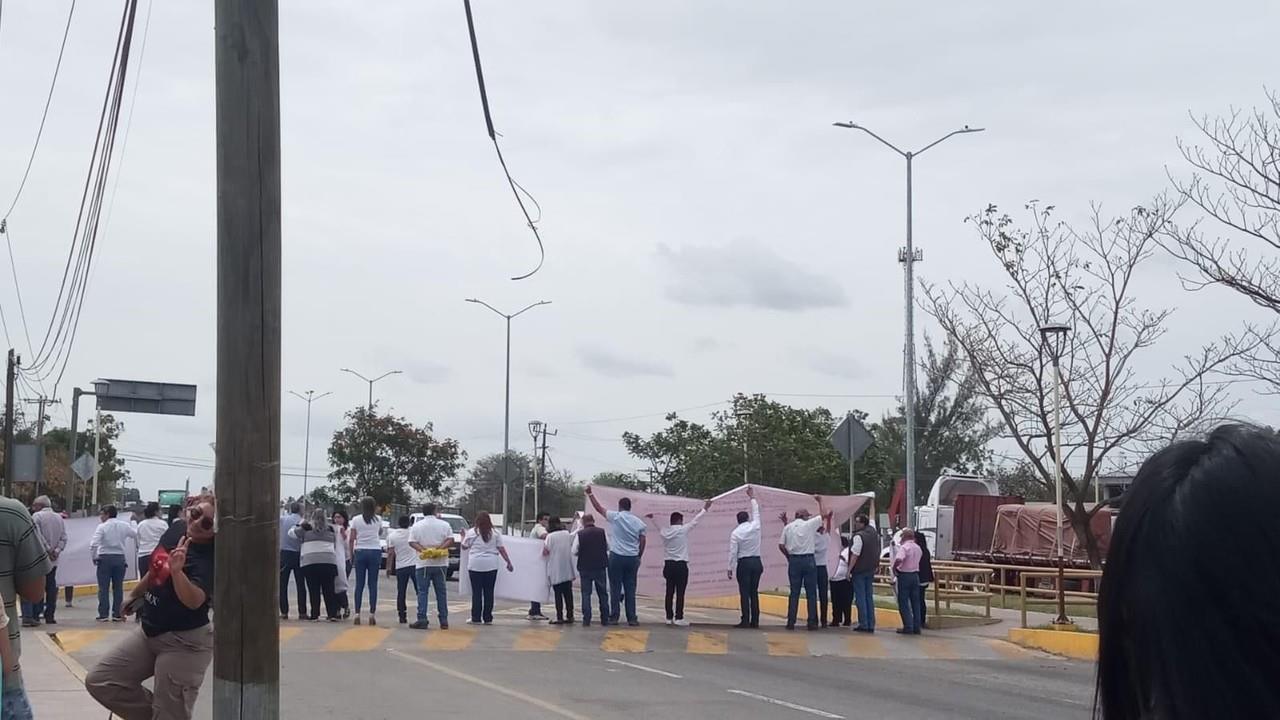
x: 709, y: 540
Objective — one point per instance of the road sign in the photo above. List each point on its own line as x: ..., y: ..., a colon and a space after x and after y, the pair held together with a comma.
x: 145, y: 397
x: 26, y: 462
x: 84, y: 466
x: 850, y: 439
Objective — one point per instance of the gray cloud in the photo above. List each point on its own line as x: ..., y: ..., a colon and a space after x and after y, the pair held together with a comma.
x: 840, y: 366
x: 607, y: 362
x: 706, y: 343
x: 426, y: 372
x: 744, y: 274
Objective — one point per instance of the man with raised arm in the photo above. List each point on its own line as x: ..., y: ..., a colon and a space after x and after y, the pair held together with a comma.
x: 744, y: 556
x: 626, y: 547
x: 675, y: 566
x: 797, y: 545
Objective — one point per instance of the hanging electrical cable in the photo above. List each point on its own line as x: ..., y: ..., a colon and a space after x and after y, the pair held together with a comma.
x: 516, y: 188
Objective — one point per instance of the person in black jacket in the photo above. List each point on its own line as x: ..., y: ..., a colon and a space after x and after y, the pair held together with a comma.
x: 926, y: 575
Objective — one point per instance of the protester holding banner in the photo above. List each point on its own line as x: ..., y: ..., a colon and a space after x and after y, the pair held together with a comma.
x: 539, y: 532
x: 821, y: 544
x: 484, y: 545
x: 558, y: 549
x: 591, y: 546
x: 342, y: 558
x: 744, y: 556
x: 797, y: 545
x: 628, y: 542
x: 675, y: 565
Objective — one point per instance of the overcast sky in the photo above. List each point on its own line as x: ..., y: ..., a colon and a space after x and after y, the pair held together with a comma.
x: 708, y: 232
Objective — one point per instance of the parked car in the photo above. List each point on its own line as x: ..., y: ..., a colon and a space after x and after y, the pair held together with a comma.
x: 459, y: 525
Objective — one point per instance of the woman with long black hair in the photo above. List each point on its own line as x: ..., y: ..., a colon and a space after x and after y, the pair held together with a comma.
x: 365, y: 534
x: 1188, y: 627
x: 483, y: 544
x: 342, y: 551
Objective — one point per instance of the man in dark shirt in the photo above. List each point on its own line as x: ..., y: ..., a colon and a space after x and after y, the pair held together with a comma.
x: 174, y: 600
x: 592, y: 548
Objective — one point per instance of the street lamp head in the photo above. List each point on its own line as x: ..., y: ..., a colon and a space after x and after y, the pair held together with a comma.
x: 535, y: 427
x: 849, y: 125
x: 1054, y: 337
x: 967, y: 129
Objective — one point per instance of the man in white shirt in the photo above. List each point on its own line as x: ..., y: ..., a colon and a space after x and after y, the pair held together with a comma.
x: 108, y: 550
x: 820, y: 548
x: 432, y: 537
x: 797, y: 544
x: 675, y: 565
x: 744, y: 557
x: 539, y: 532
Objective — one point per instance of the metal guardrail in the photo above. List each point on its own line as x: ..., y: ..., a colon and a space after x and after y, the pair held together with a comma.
x: 959, y: 584
x: 1055, y: 591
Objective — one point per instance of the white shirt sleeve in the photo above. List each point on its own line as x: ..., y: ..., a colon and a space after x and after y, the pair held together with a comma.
x: 855, y: 546
x: 755, y: 515
x: 96, y: 541
x: 575, y: 544
x: 695, y: 519
x: 733, y: 550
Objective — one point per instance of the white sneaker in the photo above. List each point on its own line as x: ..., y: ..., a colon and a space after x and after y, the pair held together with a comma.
x: 682, y: 623
x: 670, y: 621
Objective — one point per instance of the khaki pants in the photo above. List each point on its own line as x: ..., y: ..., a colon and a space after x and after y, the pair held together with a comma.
x: 177, y: 660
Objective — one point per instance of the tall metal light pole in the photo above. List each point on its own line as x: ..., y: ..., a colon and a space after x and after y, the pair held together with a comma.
x: 1054, y: 338
x: 371, y: 381
x: 506, y: 413
x: 309, y: 398
x: 741, y: 415
x: 908, y: 257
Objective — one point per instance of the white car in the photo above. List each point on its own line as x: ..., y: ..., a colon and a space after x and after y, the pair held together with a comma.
x: 459, y: 525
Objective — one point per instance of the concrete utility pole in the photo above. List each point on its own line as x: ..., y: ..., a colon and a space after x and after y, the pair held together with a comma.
x: 309, y: 398
x: 14, y: 361
x: 506, y: 413
x: 909, y: 256
x: 536, y: 428
x: 246, y: 658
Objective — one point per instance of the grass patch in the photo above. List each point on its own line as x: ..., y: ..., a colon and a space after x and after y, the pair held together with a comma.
x: 1088, y: 610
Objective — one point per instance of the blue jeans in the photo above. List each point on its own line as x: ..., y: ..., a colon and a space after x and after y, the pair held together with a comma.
x: 428, y: 576
x: 16, y: 706
x: 863, y: 583
x: 622, y: 585
x: 46, y: 607
x: 110, y: 585
x: 909, y: 601
x: 367, y: 565
x: 596, y: 579
x: 802, y: 571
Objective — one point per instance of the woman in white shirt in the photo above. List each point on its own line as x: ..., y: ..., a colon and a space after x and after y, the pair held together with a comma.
x: 842, y: 587
x: 483, y: 544
x: 558, y: 549
x: 365, y: 536
x: 149, y: 532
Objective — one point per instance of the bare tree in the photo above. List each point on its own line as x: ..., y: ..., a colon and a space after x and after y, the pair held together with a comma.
x: 1054, y: 273
x: 1235, y: 183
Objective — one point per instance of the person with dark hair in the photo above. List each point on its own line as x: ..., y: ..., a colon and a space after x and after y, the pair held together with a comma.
x: 926, y: 576
x: 175, y: 512
x: 591, y: 546
x: 108, y: 548
x: 290, y: 563
x: 627, y: 548
x: 342, y: 559
x: 430, y: 539
x: 864, y: 553
x: 842, y: 588
x: 538, y: 532
x: 150, y: 530
x: 558, y: 549
x: 319, y: 563
x: 1186, y: 628
x: 402, y: 564
x: 675, y: 563
x: 175, y: 643
x: 821, y: 553
x: 484, y: 543
x: 365, y: 538
x: 906, y: 573
x: 744, y: 557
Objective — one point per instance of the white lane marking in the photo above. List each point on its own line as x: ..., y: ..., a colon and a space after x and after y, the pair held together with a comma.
x: 655, y: 671
x: 785, y: 704
x: 549, y: 707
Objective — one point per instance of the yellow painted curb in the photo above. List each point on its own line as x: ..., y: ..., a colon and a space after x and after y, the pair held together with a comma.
x: 777, y: 605
x: 81, y: 591
x: 1075, y: 645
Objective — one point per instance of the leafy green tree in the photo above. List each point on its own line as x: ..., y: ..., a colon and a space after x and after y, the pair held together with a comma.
x: 626, y: 481
x: 388, y: 458
x: 481, y: 487
x: 112, y: 472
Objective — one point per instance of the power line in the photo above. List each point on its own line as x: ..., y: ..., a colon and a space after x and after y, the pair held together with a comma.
x: 13, y: 267
x: 45, y: 115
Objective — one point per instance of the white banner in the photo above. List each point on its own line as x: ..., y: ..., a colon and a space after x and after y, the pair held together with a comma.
x: 528, y: 582
x: 75, y: 566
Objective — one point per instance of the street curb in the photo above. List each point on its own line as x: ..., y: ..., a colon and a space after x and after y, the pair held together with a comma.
x: 1075, y: 645
x: 51, y: 644
x: 81, y: 591
x: 777, y: 605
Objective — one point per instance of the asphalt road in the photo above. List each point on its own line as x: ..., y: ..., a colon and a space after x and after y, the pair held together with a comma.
x: 516, y: 669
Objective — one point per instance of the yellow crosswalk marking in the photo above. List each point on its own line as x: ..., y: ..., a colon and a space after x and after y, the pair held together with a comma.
x: 625, y: 641
x: 289, y: 633
x: 459, y: 639
x: 708, y: 643
x: 537, y: 640
x: 865, y: 645
x: 76, y: 640
x: 787, y: 645
x: 937, y: 648
x: 358, y: 639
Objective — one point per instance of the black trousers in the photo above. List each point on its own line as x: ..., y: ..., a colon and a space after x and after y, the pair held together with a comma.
x: 924, y: 602
x: 289, y: 563
x: 842, y: 602
x: 823, y: 597
x: 319, y: 580
x: 676, y: 573
x: 482, y: 582
x: 749, y: 571
x: 564, y: 600
x: 403, y: 577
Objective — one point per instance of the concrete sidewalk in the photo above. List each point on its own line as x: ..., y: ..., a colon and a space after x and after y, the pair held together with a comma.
x: 54, y: 681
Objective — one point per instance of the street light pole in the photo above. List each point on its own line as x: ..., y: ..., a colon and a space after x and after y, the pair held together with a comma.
x: 371, y: 381
x: 1054, y: 337
x: 909, y: 257
x: 309, y: 398
x: 506, y: 413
